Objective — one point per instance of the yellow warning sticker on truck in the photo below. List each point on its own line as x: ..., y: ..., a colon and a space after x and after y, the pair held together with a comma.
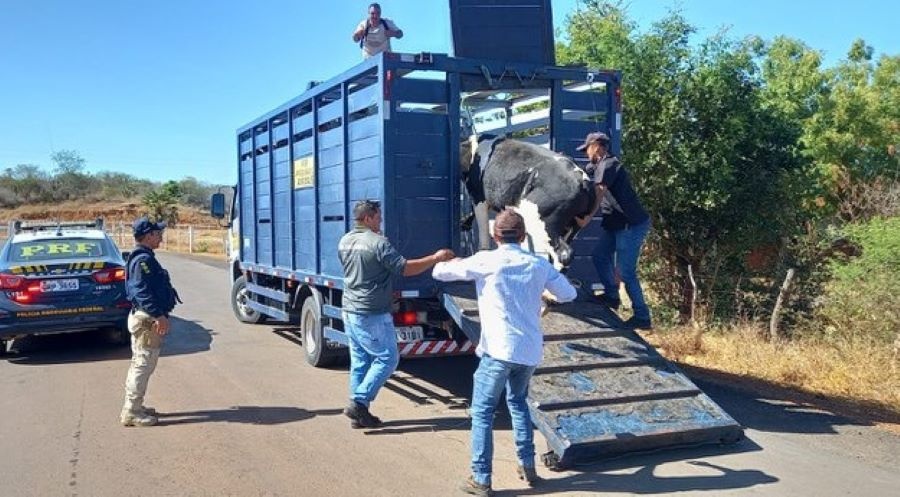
x: 304, y: 172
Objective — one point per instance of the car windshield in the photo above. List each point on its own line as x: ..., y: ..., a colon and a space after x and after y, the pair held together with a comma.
x: 69, y: 248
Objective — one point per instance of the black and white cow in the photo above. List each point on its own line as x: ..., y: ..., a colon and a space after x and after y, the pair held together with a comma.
x: 548, y: 189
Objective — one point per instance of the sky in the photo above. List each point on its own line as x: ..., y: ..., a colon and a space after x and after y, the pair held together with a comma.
x: 157, y: 89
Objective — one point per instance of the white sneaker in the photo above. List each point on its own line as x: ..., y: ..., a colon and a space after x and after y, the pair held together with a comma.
x: 137, y: 419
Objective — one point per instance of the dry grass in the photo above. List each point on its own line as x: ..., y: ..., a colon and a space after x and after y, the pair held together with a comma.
x: 857, y: 372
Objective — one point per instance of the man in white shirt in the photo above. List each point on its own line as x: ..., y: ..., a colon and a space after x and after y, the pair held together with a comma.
x: 510, y: 283
x: 374, y: 33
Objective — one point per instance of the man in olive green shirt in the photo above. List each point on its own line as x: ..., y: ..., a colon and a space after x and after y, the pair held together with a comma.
x: 370, y: 266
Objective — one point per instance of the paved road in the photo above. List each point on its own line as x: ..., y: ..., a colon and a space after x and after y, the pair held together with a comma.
x: 247, y: 417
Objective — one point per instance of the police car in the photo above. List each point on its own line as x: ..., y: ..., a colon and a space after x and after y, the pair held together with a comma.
x: 60, y: 278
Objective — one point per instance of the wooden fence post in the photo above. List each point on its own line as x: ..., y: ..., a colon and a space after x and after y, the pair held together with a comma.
x: 693, y: 295
x: 782, y: 295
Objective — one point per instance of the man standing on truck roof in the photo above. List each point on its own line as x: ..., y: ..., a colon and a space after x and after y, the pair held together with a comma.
x: 152, y: 297
x: 370, y: 266
x: 374, y: 33
x: 510, y: 283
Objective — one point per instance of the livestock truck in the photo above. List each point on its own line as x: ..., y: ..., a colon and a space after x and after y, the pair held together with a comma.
x: 390, y: 129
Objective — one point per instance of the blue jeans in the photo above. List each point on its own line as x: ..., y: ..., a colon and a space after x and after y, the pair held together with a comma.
x: 621, y: 249
x: 373, y: 353
x: 490, y: 378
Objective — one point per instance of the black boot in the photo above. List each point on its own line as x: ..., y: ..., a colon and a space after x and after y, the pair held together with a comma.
x: 360, y: 417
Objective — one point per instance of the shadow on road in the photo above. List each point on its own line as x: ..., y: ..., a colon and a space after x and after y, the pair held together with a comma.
x: 253, y: 415
x: 403, y: 426
x: 765, y: 406
x: 415, y: 379
x: 289, y: 333
x: 643, y: 480
x: 186, y: 337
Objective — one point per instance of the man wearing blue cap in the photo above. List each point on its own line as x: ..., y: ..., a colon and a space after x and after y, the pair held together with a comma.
x: 152, y: 298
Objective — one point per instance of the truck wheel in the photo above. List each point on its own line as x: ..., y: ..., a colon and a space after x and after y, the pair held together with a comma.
x: 239, y: 298
x: 2, y: 347
x: 317, y: 353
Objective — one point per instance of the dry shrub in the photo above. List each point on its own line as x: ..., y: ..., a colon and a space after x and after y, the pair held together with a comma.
x: 861, y: 200
x: 849, y: 369
x: 679, y: 343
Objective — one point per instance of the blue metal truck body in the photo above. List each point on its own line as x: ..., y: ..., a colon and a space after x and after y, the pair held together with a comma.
x: 390, y: 129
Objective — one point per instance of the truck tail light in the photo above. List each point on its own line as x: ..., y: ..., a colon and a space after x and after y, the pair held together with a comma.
x: 109, y: 275
x: 409, y: 318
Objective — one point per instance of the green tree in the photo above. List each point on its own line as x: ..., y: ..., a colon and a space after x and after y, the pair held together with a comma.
x: 708, y: 159
x: 196, y: 192
x: 853, y: 136
x: 116, y: 185
x: 795, y: 86
x: 28, y: 182
x: 793, y: 76
x: 70, y: 180
x: 162, y: 203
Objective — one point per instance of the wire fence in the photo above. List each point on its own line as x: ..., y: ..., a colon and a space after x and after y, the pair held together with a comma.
x: 186, y: 238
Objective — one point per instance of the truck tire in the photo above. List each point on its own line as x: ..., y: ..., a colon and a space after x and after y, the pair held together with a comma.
x: 239, y: 297
x: 2, y: 348
x: 317, y: 353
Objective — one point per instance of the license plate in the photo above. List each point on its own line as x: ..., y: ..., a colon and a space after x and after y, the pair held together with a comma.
x: 410, y: 334
x: 59, y: 285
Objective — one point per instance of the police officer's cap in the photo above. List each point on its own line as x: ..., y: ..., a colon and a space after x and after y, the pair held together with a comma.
x: 142, y: 226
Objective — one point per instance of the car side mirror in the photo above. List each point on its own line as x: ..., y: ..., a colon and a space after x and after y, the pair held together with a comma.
x: 126, y: 254
x: 217, y: 205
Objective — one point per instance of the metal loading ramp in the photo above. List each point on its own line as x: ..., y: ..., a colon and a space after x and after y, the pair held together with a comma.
x: 603, y: 391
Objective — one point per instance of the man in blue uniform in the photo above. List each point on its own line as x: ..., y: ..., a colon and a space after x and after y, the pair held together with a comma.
x: 152, y: 297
